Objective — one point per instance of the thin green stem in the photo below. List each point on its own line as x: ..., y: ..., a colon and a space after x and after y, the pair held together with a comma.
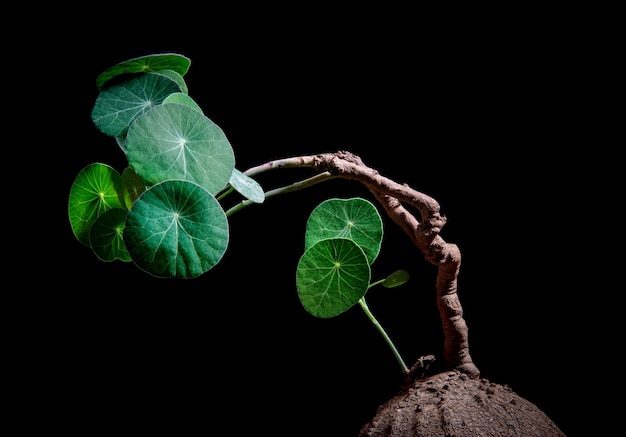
x: 380, y: 281
x: 284, y: 190
x: 404, y: 367
x: 229, y: 190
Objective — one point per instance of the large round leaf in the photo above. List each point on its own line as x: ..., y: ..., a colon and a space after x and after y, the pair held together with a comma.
x: 176, y: 229
x: 356, y: 219
x: 117, y: 106
x: 332, y: 275
x: 174, y: 141
x: 144, y: 64
x: 96, y: 189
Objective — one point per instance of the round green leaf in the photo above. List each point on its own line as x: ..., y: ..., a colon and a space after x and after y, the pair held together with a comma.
x: 96, y: 189
x: 332, y: 275
x: 174, y: 141
x: 175, y: 77
x: 176, y: 229
x: 106, y: 236
x: 143, y: 64
x: 118, y: 106
x: 356, y: 219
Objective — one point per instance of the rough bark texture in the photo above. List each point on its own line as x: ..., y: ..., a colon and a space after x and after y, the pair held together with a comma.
x: 452, y: 404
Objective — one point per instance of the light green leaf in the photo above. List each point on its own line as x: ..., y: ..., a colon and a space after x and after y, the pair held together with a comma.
x: 106, y: 236
x: 175, y: 77
x: 355, y: 218
x: 331, y: 276
x: 144, y: 64
x: 174, y: 141
x: 118, y: 106
x: 176, y: 229
x: 247, y: 187
x: 183, y: 99
x: 96, y: 189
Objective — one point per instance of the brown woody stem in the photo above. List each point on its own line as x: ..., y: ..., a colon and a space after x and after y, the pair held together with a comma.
x: 425, y: 235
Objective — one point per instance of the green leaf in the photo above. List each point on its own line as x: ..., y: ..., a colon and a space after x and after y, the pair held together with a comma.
x: 355, y: 218
x: 176, y: 229
x: 332, y: 275
x: 247, y: 187
x: 96, y: 189
x: 396, y: 279
x: 106, y: 236
x: 174, y: 141
x: 175, y: 77
x: 118, y: 106
x: 133, y: 186
x: 143, y: 64
x: 183, y: 99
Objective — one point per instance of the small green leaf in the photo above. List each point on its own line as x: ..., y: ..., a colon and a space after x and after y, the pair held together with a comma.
x: 144, y: 64
x: 247, y: 187
x: 331, y: 276
x: 356, y: 219
x: 96, y: 189
x: 106, y: 236
x: 174, y: 141
x: 396, y: 279
x: 118, y: 106
x: 176, y: 229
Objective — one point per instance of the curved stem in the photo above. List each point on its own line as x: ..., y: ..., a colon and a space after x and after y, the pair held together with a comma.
x: 396, y: 354
x: 425, y: 235
x: 226, y: 192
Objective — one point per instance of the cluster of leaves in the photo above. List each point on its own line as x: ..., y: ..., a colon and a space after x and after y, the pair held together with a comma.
x: 164, y: 211
x: 343, y: 238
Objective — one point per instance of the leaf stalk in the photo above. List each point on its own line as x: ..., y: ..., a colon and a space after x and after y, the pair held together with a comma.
x: 382, y: 331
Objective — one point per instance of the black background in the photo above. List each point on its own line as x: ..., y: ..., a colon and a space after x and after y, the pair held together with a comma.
x: 480, y: 118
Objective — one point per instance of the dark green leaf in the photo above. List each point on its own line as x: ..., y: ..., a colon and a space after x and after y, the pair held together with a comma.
x: 176, y: 229
x: 356, y: 219
x: 397, y: 278
x: 133, y: 186
x: 144, y: 64
x: 332, y: 275
x: 106, y: 236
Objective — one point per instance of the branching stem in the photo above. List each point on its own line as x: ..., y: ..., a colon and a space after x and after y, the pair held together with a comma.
x: 398, y: 200
x: 284, y: 190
